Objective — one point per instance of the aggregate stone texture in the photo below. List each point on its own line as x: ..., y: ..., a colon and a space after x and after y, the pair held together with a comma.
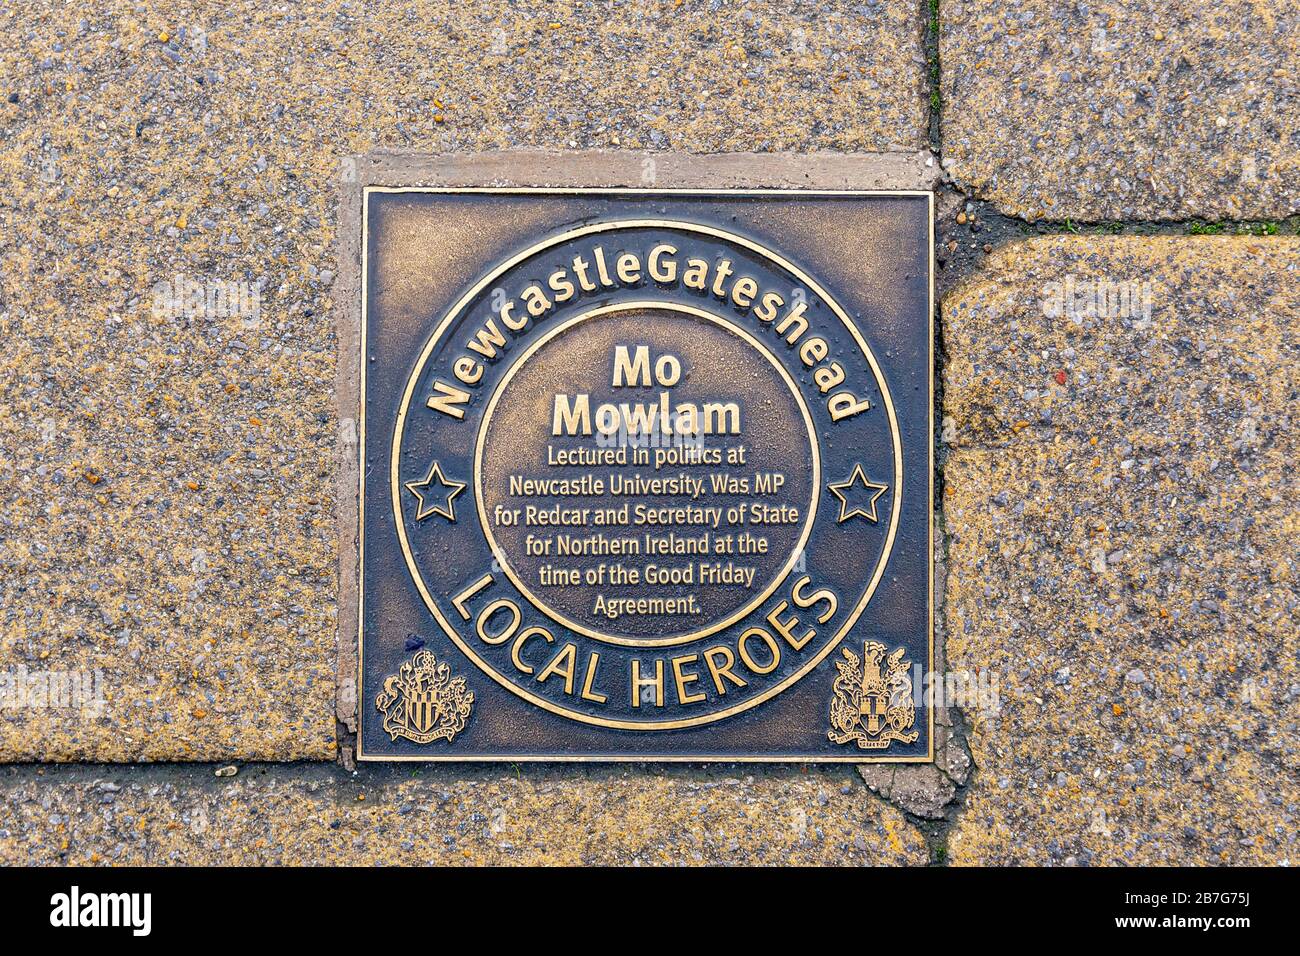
x: 1122, y: 110
x: 1120, y: 504
x: 317, y: 814
x: 166, y: 488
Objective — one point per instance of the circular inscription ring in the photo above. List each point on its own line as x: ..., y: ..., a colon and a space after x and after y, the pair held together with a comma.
x: 644, y: 474
x: 714, y: 357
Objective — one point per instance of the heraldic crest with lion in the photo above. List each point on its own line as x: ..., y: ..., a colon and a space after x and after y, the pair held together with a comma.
x: 423, y: 702
x: 873, y: 703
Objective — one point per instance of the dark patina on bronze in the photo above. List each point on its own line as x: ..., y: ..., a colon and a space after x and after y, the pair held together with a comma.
x: 645, y: 474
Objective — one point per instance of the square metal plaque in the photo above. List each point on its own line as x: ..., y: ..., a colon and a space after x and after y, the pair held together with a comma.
x: 644, y: 474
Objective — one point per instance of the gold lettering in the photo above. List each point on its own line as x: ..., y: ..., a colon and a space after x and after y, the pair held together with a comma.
x: 718, y: 671
x: 629, y: 269
x: 537, y: 302
x: 657, y: 682
x: 682, y: 679
x: 481, y: 623
x: 714, y: 413
x: 696, y: 274
x: 571, y: 419
x: 448, y: 397
x: 631, y: 372
x: 588, y: 693
x: 665, y: 275
x: 766, y: 310
x: 460, y: 601
x: 827, y: 378
x: 743, y: 292
x: 489, y: 338
x: 601, y: 269
x: 793, y: 317
x: 513, y: 324
x: 845, y: 404
x: 772, y: 647
x: 822, y: 594
x: 468, y: 371
x: 562, y: 664
x: 814, y: 350
x: 518, y: 646
x: 786, y: 628
x: 580, y: 269
x: 724, y: 270
x: 561, y: 286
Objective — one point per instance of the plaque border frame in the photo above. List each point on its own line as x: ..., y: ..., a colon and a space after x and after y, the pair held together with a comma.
x: 578, y: 173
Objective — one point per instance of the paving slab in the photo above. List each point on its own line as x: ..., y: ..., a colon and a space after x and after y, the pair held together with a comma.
x: 317, y: 814
x: 167, y: 516
x: 1124, y: 110
x: 1120, y: 505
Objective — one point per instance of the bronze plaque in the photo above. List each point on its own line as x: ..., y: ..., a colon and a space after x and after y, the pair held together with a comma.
x: 645, y: 474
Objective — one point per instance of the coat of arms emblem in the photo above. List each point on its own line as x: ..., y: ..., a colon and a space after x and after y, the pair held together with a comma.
x: 423, y: 702
x: 873, y: 703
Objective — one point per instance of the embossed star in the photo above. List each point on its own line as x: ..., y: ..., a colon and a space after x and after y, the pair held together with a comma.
x: 842, y: 490
x: 435, y: 499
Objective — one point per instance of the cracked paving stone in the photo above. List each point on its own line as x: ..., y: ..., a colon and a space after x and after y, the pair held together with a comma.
x: 952, y: 756
x: 920, y: 789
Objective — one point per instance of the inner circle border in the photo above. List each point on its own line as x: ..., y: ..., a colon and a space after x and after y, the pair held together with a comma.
x: 596, y: 228
x: 814, y: 447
